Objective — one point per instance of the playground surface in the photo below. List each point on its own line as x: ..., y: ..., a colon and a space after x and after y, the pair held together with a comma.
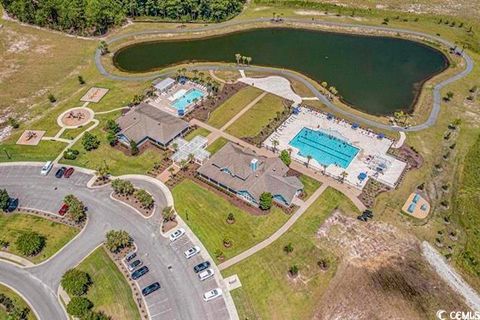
x: 30, y: 137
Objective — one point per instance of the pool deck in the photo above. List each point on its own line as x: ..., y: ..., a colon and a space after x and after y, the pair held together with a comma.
x: 164, y: 101
x: 372, y: 149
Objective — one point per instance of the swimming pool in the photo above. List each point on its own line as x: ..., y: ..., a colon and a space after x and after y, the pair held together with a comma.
x: 185, y: 100
x: 324, y: 148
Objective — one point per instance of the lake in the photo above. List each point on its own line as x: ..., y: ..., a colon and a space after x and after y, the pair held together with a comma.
x: 378, y: 75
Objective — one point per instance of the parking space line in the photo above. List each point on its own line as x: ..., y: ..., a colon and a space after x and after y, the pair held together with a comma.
x: 156, y: 303
x: 160, y: 313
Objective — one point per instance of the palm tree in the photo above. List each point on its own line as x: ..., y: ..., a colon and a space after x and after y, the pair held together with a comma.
x: 309, y: 157
x: 344, y: 175
x: 249, y: 59
x: 399, y: 116
x: 191, y: 157
x: 175, y: 146
x: 238, y: 56
x: 289, y: 151
x: 244, y: 59
x: 171, y: 170
x: 324, y: 84
x: 195, y: 72
x: 275, y: 144
x: 324, y: 166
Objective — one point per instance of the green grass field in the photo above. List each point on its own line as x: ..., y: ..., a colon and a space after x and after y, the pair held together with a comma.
x: 18, y: 301
x: 197, y: 132
x: 254, y: 120
x: 44, y: 151
x: 109, y: 291
x: 267, y: 292
x: 217, y: 145
x: 232, y: 106
x: 56, y: 234
x: 207, y: 214
x: 72, y: 133
x: 310, y: 185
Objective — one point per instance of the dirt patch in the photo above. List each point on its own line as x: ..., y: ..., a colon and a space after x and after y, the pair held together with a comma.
x: 382, y: 275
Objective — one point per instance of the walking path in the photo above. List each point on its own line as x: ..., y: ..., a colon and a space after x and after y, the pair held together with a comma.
x: 449, y: 275
x: 242, y: 112
x: 215, y: 77
x: 277, y: 234
x: 400, y: 141
x: 347, y: 26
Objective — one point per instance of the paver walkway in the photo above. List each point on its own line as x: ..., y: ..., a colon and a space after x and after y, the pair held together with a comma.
x: 242, y: 112
x: 277, y: 234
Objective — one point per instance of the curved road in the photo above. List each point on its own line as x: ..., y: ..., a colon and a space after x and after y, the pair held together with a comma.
x: 181, y: 294
x: 436, y: 90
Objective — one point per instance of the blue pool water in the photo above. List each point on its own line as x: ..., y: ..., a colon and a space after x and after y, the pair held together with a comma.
x: 184, y: 101
x: 324, y: 148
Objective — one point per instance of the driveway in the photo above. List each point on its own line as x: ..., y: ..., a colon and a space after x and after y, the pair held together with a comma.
x: 181, y: 294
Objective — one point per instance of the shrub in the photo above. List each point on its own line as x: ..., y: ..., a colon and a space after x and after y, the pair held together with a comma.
x: 13, y: 122
x: 266, y: 201
x: 112, y: 126
x: 133, y: 148
x: 122, y: 187
x: 30, y: 243
x: 288, y: 248
x: 79, y: 306
x: 75, y: 282
x: 76, y: 208
x: 112, y: 138
x: 231, y: 217
x: 71, y: 154
x: 81, y: 80
x: 90, y: 141
x: 285, y: 157
x: 93, y: 315
x: 145, y: 198
x: 51, y: 98
x: 4, y: 199
x: 168, y: 214
x: 293, y: 270
x: 117, y: 240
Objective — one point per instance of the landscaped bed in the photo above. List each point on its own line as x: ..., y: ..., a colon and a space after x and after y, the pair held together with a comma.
x: 18, y: 303
x: 206, y: 213
x: 109, y: 291
x: 56, y: 234
x: 267, y: 289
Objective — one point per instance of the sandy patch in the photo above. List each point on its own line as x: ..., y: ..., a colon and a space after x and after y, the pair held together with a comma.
x: 261, y: 8
x: 309, y: 13
x: 76, y: 117
x: 30, y: 137
x: 94, y: 94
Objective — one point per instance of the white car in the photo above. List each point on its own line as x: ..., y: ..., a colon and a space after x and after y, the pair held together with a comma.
x: 192, y: 252
x: 212, y: 294
x: 46, y: 168
x: 177, y: 234
x: 204, y: 275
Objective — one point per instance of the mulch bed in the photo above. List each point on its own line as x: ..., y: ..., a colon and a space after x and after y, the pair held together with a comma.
x: 169, y: 225
x: 205, y: 108
x: 370, y: 192
x: 132, y: 201
x: 101, y: 181
x: 63, y: 220
x: 409, y: 155
x: 145, y: 146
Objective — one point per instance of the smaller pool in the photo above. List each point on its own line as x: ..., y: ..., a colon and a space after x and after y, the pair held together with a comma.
x: 187, y: 99
x: 324, y: 148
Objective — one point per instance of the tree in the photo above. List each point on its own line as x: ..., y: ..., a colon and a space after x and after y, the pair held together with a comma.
x: 103, y: 46
x: 123, y: 187
x: 244, y: 59
x: 324, y: 84
x: 79, y: 306
x: 76, y: 208
x: 288, y: 248
x: 144, y: 198
x: 112, y: 138
x: 103, y: 171
x: 285, y: 157
x: 51, y: 98
x: 13, y: 122
x: 231, y: 217
x: 344, y: 175
x: 133, y: 148
x: 238, y: 56
x: 81, y: 80
x: 168, y: 214
x: 75, y: 282
x: 112, y: 126
x: 90, y: 141
x: 117, y: 240
x: 309, y: 158
x: 448, y: 96
x: 71, y: 154
x: 293, y: 270
x: 4, y: 197
x: 266, y: 200
x: 30, y: 243
x: 249, y: 59
x: 275, y: 144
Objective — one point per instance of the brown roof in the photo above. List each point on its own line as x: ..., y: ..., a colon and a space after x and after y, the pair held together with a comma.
x: 270, y: 175
x: 147, y: 121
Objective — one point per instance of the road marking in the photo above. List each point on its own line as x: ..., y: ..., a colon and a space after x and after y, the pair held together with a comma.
x: 160, y: 313
x: 154, y: 304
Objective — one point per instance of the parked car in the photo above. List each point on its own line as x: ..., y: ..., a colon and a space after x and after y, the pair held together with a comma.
x: 362, y: 218
x: 192, y: 252
x: 63, y: 209
x: 206, y: 274
x: 212, y: 294
x: 68, y: 172
x: 368, y: 213
x: 177, y: 234
x: 46, y: 168
x: 134, y: 265
x: 140, y: 272
x: 150, y: 288
x: 12, y: 204
x: 60, y: 172
x: 201, y: 266
x: 129, y: 257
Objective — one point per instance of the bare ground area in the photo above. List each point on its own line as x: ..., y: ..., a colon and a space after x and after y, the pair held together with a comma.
x: 382, y: 275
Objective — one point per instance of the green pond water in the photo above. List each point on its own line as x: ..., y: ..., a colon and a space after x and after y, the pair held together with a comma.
x: 378, y: 75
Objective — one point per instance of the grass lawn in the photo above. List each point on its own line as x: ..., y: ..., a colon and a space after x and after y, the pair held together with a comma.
x: 109, y: 291
x: 232, y: 106
x: 254, y: 120
x: 207, y: 214
x: 197, y: 132
x: 44, y: 151
x: 217, y: 145
x: 72, y: 133
x: 18, y: 301
x: 267, y: 292
x: 310, y: 185
x: 56, y: 234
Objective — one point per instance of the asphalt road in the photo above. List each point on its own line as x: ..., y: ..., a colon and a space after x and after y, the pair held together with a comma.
x: 433, y: 116
x: 181, y: 294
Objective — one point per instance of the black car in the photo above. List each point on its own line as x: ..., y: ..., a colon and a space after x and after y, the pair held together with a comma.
x: 140, y: 272
x: 60, y: 172
x: 130, y: 256
x: 362, y: 218
x: 151, y: 288
x: 12, y: 204
x: 368, y: 214
x: 201, y: 266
